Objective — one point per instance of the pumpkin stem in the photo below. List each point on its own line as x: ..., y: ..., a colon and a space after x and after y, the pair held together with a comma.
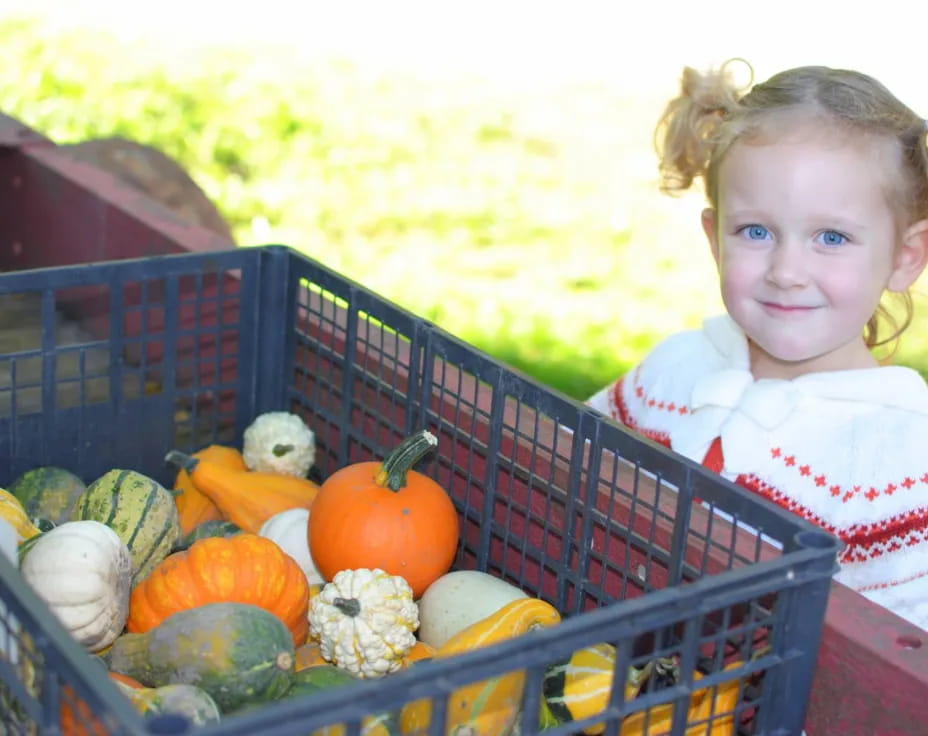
x: 180, y: 460
x: 281, y: 450
x: 348, y: 606
x: 392, y: 471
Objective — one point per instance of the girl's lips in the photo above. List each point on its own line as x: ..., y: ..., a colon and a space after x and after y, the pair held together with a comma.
x: 786, y: 309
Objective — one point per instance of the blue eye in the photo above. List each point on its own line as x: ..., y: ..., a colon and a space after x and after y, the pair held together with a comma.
x: 755, y: 232
x: 832, y: 237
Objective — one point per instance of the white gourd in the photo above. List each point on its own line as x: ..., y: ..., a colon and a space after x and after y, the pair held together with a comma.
x: 458, y: 599
x: 288, y: 529
x: 279, y: 442
x: 82, y: 570
x: 364, y: 621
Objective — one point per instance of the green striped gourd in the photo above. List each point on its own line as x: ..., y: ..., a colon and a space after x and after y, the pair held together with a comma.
x: 48, y: 493
x: 140, y: 510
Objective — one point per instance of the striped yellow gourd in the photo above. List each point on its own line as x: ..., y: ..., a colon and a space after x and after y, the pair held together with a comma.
x: 580, y: 687
x: 490, y: 706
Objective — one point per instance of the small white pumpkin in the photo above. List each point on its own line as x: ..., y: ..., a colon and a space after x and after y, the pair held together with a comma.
x: 458, y: 599
x: 364, y: 621
x: 279, y: 442
x: 82, y: 570
x: 288, y: 529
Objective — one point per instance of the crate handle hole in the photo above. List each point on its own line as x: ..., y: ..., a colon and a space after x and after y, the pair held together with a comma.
x: 907, y: 641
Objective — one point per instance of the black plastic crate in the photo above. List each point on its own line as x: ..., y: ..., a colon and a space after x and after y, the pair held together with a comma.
x: 116, y: 363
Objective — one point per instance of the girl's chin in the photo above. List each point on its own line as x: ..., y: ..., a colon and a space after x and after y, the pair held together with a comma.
x: 792, y: 361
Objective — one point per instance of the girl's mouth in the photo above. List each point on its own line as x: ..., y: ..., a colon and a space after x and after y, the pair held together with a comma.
x: 786, y: 309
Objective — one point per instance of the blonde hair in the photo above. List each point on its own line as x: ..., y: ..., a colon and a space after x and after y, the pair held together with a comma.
x: 712, y: 111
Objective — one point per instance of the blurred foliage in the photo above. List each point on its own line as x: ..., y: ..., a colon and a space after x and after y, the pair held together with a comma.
x: 527, y: 224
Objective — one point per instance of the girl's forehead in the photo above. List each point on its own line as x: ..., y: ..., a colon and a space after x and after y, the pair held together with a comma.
x: 812, y: 178
x: 816, y: 141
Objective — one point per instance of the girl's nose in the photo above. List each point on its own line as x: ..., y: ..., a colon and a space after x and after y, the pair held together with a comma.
x: 788, y: 266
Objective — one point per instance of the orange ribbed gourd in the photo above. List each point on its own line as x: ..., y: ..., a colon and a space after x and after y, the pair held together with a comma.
x: 244, y: 568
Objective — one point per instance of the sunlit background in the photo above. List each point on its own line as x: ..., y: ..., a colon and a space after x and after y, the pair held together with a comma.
x: 488, y: 165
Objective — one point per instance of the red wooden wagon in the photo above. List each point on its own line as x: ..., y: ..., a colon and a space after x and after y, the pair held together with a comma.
x: 872, y: 672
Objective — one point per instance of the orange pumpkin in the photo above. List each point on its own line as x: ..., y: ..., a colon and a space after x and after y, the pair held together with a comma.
x: 385, y: 516
x: 244, y: 568
x: 193, y: 507
x: 246, y: 498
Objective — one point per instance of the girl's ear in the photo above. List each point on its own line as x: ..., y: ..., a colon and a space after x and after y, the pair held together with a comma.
x: 912, y: 257
x: 710, y: 228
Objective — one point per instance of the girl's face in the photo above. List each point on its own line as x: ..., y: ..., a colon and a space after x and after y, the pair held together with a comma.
x: 806, y: 242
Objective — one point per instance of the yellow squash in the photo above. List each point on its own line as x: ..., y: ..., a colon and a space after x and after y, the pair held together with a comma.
x: 718, y: 702
x: 489, y: 707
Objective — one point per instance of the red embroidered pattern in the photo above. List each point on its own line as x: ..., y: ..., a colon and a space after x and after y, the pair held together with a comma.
x: 863, y: 542
x: 653, y: 403
x: 619, y: 410
x: 846, y: 494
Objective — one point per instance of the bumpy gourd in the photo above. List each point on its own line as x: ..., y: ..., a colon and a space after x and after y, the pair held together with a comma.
x: 82, y: 570
x: 279, y: 442
x: 364, y: 620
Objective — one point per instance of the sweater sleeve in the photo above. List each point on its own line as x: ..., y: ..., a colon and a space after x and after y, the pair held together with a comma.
x: 604, y: 400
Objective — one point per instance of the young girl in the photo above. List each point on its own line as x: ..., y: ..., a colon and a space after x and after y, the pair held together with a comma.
x: 817, y: 186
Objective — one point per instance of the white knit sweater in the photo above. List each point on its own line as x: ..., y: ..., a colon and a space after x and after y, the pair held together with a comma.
x: 847, y: 450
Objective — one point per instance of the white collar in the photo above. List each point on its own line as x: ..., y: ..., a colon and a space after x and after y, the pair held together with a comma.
x: 734, y: 385
x: 729, y: 401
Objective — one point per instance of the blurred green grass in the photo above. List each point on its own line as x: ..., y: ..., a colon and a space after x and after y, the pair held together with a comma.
x: 526, y: 222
